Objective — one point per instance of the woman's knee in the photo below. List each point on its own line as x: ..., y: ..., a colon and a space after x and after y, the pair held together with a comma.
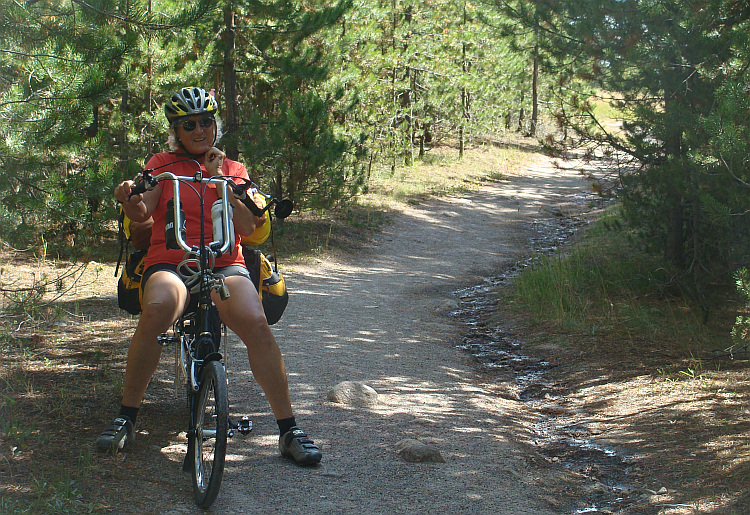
x: 243, y: 305
x: 246, y: 322
x: 261, y: 342
x: 164, y: 299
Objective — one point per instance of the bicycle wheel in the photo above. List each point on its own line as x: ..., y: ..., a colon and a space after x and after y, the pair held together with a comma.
x: 210, y: 433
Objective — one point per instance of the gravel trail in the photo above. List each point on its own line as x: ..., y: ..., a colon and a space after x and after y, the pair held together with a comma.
x: 382, y: 318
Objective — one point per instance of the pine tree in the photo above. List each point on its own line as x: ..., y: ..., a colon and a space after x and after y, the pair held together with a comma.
x: 422, y: 73
x: 280, y: 122
x: 669, y: 64
x: 73, y: 111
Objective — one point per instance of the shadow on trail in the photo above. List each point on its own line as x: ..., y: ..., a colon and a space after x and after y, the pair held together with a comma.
x: 617, y: 459
x: 383, y: 319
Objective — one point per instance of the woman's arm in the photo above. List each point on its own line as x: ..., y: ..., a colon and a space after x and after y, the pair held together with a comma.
x: 137, y: 207
x: 245, y: 221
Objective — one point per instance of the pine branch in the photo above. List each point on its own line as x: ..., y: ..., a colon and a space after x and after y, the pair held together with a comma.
x: 190, y: 17
x: 37, y: 56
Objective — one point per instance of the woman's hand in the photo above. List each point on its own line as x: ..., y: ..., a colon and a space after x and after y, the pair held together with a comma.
x: 213, y: 161
x: 122, y: 193
x: 262, y: 219
x: 138, y: 207
x: 245, y: 222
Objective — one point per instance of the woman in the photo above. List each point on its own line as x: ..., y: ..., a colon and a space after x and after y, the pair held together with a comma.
x: 193, y: 134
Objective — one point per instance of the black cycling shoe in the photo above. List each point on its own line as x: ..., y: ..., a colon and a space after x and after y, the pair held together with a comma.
x: 296, y: 445
x: 116, y: 435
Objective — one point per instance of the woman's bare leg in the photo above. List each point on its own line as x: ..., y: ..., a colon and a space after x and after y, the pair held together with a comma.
x: 243, y: 313
x: 164, y: 299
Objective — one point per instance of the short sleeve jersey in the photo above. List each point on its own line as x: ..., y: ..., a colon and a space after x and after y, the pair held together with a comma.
x: 189, y: 202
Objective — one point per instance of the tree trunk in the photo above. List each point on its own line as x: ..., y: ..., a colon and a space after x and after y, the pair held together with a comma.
x: 675, y: 239
x: 675, y: 244
x: 231, y: 126
x: 464, y: 92
x: 534, y: 92
x: 124, y: 153
x: 150, y: 92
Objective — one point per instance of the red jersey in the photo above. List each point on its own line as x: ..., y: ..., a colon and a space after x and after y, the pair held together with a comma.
x: 189, y: 202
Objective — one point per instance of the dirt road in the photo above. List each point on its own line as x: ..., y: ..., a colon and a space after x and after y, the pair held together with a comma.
x: 379, y: 316
x: 383, y: 318
x: 610, y: 423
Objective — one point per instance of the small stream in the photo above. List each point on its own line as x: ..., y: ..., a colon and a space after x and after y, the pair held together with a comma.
x: 570, y: 445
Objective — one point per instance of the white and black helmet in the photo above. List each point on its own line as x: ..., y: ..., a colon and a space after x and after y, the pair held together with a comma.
x: 188, y: 101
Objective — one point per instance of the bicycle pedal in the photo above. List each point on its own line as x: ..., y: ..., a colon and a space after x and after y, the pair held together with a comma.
x: 164, y: 339
x: 244, y: 426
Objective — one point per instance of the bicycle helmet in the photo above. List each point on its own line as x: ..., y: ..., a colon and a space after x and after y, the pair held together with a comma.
x: 189, y: 101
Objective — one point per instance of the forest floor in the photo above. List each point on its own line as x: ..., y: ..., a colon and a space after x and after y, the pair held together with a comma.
x: 566, y: 424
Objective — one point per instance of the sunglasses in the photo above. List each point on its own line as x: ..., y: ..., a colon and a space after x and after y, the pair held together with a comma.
x: 204, y: 123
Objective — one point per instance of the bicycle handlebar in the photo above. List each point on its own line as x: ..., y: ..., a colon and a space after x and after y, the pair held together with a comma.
x: 283, y: 209
x: 149, y: 182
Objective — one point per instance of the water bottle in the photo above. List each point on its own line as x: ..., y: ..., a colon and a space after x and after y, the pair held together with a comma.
x: 169, y: 226
x: 217, y: 220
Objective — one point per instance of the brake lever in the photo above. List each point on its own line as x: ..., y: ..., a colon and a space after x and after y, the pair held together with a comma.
x: 148, y: 183
x: 241, y: 193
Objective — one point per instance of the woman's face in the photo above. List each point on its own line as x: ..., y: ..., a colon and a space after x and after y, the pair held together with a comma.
x: 200, y: 138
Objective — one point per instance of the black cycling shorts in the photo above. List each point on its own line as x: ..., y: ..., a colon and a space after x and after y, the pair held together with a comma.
x: 227, y: 271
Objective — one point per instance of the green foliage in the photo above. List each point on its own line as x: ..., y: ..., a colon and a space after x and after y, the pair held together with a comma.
x: 741, y: 329
x: 79, y: 91
x: 314, y: 94
x: 306, y: 161
x: 606, y: 284
x: 68, y: 76
x: 421, y: 74
x: 677, y: 72
x: 533, y: 37
x: 285, y: 127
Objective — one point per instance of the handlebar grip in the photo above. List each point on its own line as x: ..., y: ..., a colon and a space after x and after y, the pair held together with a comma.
x: 240, y: 192
x: 148, y: 183
x: 253, y: 207
x: 138, y: 188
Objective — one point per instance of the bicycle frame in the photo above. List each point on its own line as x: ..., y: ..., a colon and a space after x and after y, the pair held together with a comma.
x: 197, y: 335
x: 196, y: 270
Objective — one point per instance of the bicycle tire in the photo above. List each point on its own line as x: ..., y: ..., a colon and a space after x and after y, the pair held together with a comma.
x: 210, y: 433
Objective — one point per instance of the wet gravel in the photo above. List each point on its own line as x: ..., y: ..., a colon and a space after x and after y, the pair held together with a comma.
x: 501, y: 352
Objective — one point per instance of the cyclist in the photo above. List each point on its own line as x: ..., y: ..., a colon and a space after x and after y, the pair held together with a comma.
x: 193, y: 133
